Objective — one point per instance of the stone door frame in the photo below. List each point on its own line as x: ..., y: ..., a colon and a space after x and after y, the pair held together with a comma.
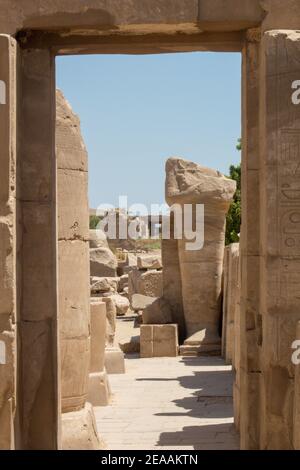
x: 178, y: 26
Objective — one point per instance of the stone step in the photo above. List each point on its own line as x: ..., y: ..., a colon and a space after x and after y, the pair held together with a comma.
x: 200, y: 350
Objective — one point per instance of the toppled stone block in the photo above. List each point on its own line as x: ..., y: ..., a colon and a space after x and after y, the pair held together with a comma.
x: 159, y: 341
x: 103, y: 262
x: 98, y: 239
x: 122, y: 304
x: 149, y: 283
x: 146, y: 261
x: 140, y: 302
x: 159, y: 312
x: 104, y: 284
x: 123, y: 282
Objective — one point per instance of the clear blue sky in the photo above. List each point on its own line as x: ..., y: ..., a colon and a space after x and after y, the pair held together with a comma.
x: 136, y: 111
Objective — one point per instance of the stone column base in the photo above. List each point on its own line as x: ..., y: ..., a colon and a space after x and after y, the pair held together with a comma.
x: 200, y: 344
x: 99, y: 389
x: 114, y: 361
x: 79, y: 430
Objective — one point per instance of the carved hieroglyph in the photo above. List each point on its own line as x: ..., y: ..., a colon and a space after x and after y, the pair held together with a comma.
x: 201, y: 269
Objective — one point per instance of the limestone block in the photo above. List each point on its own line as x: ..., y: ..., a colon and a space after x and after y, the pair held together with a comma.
x: 140, y: 302
x: 98, y: 335
x: 190, y: 183
x: 97, y: 239
x: 103, y: 262
x: 75, y: 359
x: 70, y: 148
x: 124, y: 279
x: 104, y: 284
x: 159, y: 312
x: 111, y: 313
x: 149, y: 283
x: 74, y: 292
x: 72, y: 214
x: 114, y: 360
x: 99, y: 390
x: 79, y: 430
x: 159, y: 341
x: 122, y: 304
x: 99, y: 393
x: 147, y: 261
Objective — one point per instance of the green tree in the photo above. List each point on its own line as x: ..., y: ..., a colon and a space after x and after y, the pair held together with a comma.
x: 94, y: 221
x: 233, y: 219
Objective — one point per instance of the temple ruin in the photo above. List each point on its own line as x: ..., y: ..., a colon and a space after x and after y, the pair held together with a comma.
x: 43, y: 393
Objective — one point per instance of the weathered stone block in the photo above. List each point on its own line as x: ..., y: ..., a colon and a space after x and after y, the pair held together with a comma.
x: 159, y: 341
x: 149, y: 262
x: 79, y: 430
x: 103, y: 262
x: 114, y: 360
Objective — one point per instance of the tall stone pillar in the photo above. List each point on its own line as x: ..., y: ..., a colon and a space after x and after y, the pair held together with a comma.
x: 8, y: 330
x: 201, y: 269
x: 99, y: 389
x: 250, y: 316
x: 78, y: 428
x: 38, y: 388
x: 280, y: 233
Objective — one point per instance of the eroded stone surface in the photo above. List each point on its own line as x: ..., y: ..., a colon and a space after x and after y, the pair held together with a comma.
x: 201, y: 270
x: 78, y: 430
x: 8, y: 328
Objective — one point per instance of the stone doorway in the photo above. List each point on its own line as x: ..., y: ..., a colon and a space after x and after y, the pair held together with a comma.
x: 267, y: 34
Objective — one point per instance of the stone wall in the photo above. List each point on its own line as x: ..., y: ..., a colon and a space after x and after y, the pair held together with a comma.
x: 8, y: 320
x: 230, y: 300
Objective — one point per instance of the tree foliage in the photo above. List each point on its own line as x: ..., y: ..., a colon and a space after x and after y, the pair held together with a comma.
x: 94, y: 221
x: 233, y: 219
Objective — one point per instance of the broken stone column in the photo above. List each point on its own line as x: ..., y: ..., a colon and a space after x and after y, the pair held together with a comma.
x: 78, y: 427
x: 172, y: 285
x: 103, y: 263
x: 201, y: 269
x: 8, y: 330
x: 99, y: 389
x: 114, y: 357
x: 230, y: 299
